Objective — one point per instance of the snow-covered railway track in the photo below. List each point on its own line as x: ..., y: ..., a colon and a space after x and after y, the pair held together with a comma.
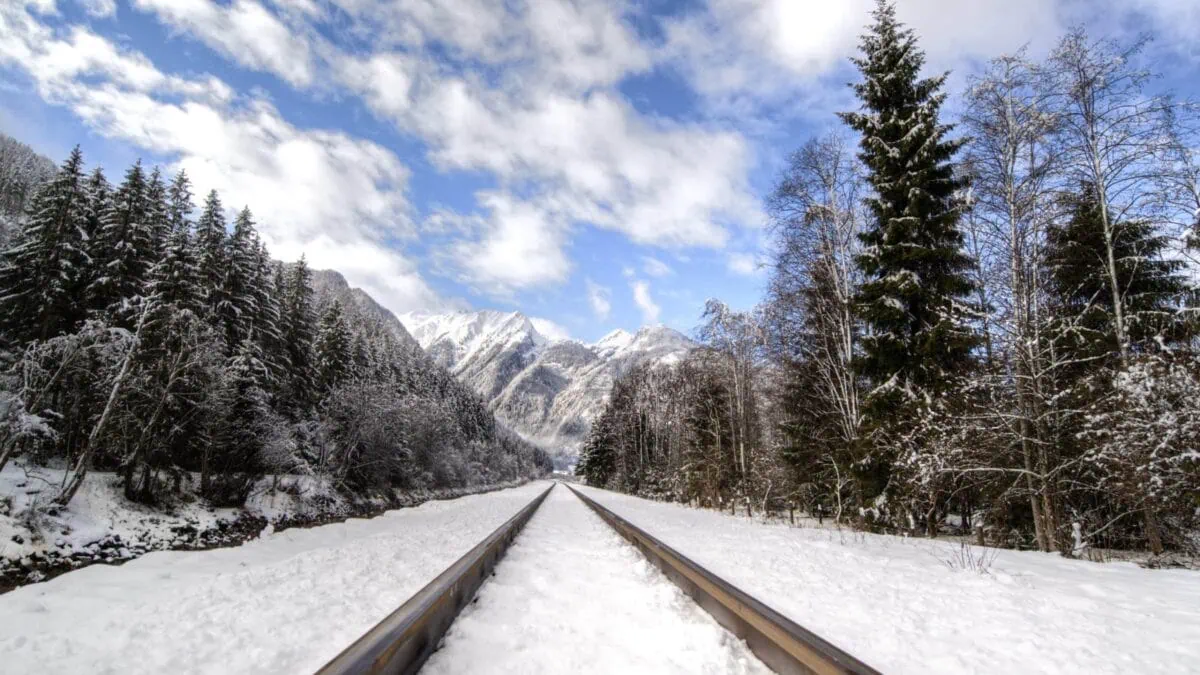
x: 403, y: 641
x: 516, y: 618
x: 782, y: 644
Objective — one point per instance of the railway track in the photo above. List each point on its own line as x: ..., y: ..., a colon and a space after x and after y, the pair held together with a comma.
x: 403, y: 641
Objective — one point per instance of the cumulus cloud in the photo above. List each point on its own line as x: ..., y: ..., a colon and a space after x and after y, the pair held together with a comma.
x: 552, y: 126
x: 768, y: 49
x: 518, y: 245
x: 642, y: 298
x: 243, y: 30
x: 600, y: 299
x: 336, y: 198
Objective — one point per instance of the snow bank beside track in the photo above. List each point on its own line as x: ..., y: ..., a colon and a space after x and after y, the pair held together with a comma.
x: 896, y: 604
x: 284, y: 603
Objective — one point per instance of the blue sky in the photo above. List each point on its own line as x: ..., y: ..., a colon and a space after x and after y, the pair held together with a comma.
x: 596, y: 164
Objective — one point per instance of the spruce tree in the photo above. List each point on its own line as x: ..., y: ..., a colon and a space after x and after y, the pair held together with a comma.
x: 335, y: 356
x: 99, y: 194
x: 179, y: 202
x: 157, y: 211
x: 40, y: 271
x: 237, y: 305
x: 914, y: 299
x: 126, y: 249
x: 175, y: 279
x: 300, y: 340
x: 210, y: 255
x: 236, y: 457
x: 1151, y: 285
x: 268, y: 317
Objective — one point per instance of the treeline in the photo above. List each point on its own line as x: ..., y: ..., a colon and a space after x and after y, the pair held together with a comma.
x: 988, y: 327
x: 139, y: 340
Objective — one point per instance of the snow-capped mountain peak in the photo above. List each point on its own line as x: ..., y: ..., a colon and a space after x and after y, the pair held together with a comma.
x: 548, y: 390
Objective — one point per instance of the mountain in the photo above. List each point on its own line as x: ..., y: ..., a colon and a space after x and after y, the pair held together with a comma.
x: 548, y: 390
x: 359, y: 307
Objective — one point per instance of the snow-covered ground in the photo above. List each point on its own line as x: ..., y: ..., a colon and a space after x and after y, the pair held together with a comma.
x: 571, y: 596
x: 896, y: 604
x: 101, y: 525
x: 286, y: 603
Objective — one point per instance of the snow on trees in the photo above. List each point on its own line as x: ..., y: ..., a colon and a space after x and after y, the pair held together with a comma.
x: 1061, y: 228
x: 138, y: 342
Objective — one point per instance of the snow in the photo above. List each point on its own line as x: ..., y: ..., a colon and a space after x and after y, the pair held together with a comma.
x: 572, y: 596
x: 548, y: 391
x: 897, y: 604
x: 287, y: 602
x: 614, y: 342
x: 98, y: 512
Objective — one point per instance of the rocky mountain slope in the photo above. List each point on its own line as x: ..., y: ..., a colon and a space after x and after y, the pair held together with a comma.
x: 357, y: 304
x: 548, y: 390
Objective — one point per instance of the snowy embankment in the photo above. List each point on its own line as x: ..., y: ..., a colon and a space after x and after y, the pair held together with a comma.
x: 102, y: 526
x: 285, y: 603
x: 898, y: 605
x: 572, y: 596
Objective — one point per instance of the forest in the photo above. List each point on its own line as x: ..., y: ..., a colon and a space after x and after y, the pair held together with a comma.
x: 143, y: 336
x: 982, y: 321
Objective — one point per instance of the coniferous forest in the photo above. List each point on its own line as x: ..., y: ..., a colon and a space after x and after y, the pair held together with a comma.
x: 981, y: 321
x: 143, y: 334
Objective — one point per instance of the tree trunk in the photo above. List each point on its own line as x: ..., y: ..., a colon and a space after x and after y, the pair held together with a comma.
x: 1153, y: 534
x: 81, y: 465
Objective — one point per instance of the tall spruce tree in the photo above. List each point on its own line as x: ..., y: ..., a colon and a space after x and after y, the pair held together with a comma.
x: 210, y: 255
x: 335, y: 356
x: 299, y: 338
x: 158, y: 218
x: 236, y: 456
x: 1151, y: 285
x: 268, y: 317
x: 99, y: 194
x: 127, y: 249
x: 915, y: 295
x: 179, y: 202
x: 237, y: 307
x: 39, y: 272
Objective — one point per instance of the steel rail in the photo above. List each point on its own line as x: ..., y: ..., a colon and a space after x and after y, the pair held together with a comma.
x: 782, y: 644
x: 403, y: 641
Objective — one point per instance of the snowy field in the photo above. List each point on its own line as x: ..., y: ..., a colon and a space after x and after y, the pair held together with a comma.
x: 895, y: 603
x: 571, y: 596
x: 286, y: 603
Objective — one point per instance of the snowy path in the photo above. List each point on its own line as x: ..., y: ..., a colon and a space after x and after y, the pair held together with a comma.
x: 571, y: 596
x: 895, y: 604
x: 284, y: 604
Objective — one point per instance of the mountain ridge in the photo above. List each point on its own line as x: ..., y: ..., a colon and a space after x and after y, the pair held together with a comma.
x: 548, y: 390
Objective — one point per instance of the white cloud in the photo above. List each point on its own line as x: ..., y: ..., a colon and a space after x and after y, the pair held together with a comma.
x: 595, y: 159
x: 99, y: 9
x: 550, y: 129
x: 524, y: 91
x: 655, y: 267
x: 600, y: 299
x: 1178, y: 20
x: 336, y: 198
x: 243, y: 30
x: 745, y: 264
x: 641, y: 297
x: 734, y: 50
x: 518, y: 245
x: 550, y: 329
